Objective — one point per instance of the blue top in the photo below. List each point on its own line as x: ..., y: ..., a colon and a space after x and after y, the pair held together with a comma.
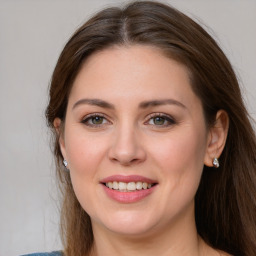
x: 59, y: 253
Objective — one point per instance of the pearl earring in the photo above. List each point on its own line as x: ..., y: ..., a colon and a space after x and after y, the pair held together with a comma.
x: 65, y: 163
x: 215, y: 162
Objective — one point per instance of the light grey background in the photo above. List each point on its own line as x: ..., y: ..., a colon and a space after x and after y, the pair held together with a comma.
x: 32, y: 34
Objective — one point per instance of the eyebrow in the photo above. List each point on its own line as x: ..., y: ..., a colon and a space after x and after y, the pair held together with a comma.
x: 143, y: 105
x: 94, y: 102
x: 153, y: 103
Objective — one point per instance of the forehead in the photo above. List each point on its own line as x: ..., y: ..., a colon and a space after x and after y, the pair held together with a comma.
x: 132, y: 72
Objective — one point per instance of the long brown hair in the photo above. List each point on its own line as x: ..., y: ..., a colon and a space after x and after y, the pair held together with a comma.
x: 225, y: 203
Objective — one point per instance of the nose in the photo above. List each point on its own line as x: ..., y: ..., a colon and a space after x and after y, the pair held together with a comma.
x: 127, y: 147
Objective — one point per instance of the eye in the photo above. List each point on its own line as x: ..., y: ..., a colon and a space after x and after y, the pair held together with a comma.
x: 159, y: 119
x: 95, y: 120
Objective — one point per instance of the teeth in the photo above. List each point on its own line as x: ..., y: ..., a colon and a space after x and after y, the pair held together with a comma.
x: 115, y: 185
x: 130, y: 186
x: 139, y: 185
x: 110, y: 185
x: 122, y: 186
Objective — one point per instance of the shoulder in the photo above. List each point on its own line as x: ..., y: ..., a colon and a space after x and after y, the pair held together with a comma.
x: 57, y: 253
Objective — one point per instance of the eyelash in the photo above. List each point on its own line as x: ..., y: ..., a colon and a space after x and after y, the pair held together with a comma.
x: 167, y: 118
x: 90, y: 117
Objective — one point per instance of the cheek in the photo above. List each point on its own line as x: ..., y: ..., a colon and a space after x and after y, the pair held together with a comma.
x: 85, y: 155
x: 84, y: 152
x: 181, y: 158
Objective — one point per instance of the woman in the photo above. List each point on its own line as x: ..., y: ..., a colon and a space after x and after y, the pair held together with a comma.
x: 157, y: 146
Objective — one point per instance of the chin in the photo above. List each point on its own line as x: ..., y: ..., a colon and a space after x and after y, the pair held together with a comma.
x: 130, y: 223
x: 131, y: 230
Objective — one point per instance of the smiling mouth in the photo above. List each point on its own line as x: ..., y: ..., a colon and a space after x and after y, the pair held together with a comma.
x: 129, y: 186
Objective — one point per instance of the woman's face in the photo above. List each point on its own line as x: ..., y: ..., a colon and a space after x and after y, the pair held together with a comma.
x: 135, y: 140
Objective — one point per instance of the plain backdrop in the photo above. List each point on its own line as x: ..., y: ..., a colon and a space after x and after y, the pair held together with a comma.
x: 32, y: 35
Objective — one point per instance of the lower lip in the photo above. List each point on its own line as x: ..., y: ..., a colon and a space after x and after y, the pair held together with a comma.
x: 128, y: 197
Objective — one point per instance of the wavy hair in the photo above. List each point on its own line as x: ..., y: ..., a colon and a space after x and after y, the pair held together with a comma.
x: 225, y: 203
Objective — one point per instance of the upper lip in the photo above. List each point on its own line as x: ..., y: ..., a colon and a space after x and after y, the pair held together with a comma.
x: 126, y: 179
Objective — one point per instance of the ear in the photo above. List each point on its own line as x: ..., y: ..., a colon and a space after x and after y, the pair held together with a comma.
x: 60, y: 131
x: 217, y: 137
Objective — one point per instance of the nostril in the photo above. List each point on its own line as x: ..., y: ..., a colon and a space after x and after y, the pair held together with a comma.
x: 126, y: 150
x: 125, y: 159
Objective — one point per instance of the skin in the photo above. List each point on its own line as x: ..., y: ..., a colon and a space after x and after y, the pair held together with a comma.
x: 129, y: 140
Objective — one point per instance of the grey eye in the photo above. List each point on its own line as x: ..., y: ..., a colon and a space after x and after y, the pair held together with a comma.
x: 159, y: 120
x: 97, y: 120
